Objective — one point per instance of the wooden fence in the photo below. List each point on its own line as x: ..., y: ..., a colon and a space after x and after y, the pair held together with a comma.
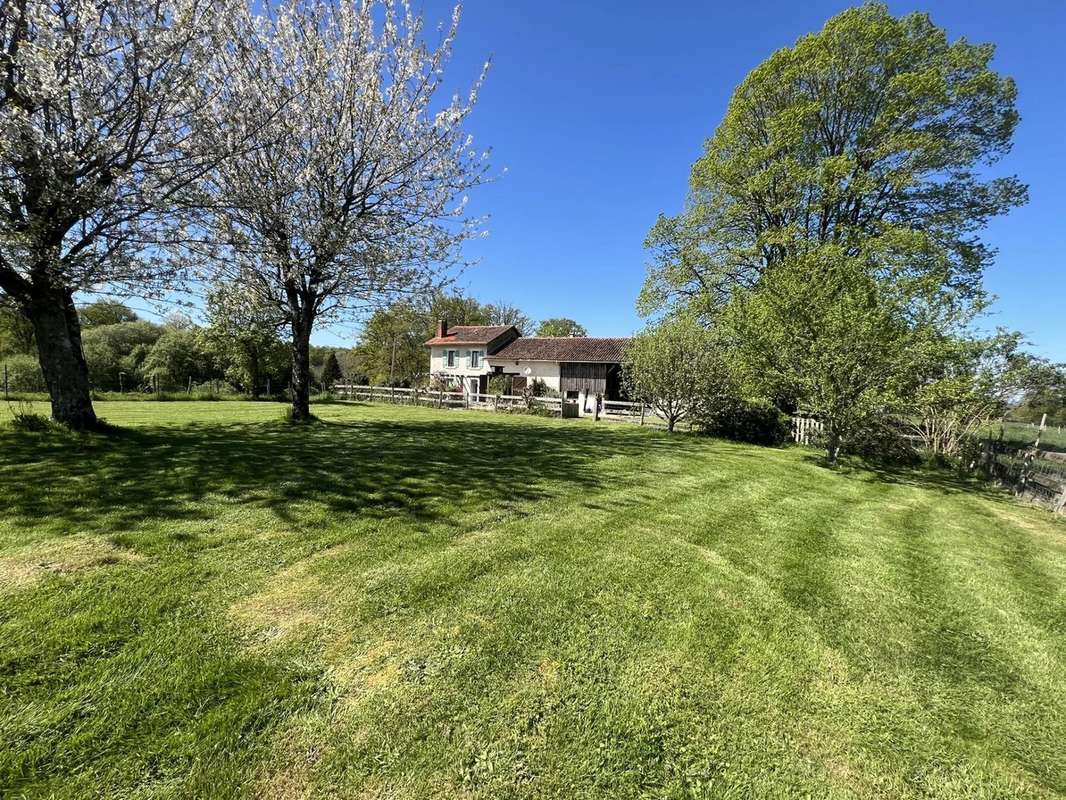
x: 429, y: 398
x: 613, y: 410
x: 806, y: 430
x: 1036, y: 474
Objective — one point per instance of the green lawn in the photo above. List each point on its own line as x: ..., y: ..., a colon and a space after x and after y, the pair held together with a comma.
x: 400, y: 603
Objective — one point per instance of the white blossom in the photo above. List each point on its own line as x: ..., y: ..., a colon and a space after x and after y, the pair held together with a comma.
x: 344, y: 190
x: 102, y: 137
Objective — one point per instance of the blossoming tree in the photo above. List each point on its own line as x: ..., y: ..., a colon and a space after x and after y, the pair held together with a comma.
x: 101, y: 137
x: 350, y: 191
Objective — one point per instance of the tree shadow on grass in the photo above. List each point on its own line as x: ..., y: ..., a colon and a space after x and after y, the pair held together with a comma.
x: 936, y: 479
x: 417, y: 469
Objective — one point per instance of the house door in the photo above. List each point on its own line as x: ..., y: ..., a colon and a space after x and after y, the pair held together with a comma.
x: 472, y: 387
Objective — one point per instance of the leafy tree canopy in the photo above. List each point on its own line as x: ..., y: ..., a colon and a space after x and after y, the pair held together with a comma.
x: 831, y: 231
x: 115, y: 353
x: 561, y: 326
x: 105, y: 312
x: 676, y: 366
x: 501, y: 313
x: 331, y: 371
x: 16, y: 332
x: 872, y: 136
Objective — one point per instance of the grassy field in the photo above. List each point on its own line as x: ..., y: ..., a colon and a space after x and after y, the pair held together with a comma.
x: 406, y: 603
x: 1021, y: 434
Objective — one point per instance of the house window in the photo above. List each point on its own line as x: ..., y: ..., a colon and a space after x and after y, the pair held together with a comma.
x: 451, y: 358
x: 475, y: 359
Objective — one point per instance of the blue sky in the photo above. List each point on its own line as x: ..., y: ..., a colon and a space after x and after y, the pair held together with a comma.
x: 598, y: 109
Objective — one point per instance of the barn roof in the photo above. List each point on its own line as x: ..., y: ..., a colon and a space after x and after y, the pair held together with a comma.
x: 564, y: 348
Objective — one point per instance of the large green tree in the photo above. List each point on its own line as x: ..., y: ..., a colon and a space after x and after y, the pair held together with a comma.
x: 847, y: 184
x: 561, y: 326
x: 872, y: 135
x: 116, y: 353
x: 105, y: 312
x: 242, y: 332
x: 822, y: 332
x: 1044, y: 393
x: 502, y: 313
x: 677, y: 367
x: 16, y: 332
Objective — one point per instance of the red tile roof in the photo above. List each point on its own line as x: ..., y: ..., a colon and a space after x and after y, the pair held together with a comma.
x: 470, y: 334
x: 564, y: 348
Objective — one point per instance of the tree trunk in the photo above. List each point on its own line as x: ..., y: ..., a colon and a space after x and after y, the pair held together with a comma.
x: 301, y: 364
x: 253, y: 370
x: 58, y: 334
x: 832, y: 448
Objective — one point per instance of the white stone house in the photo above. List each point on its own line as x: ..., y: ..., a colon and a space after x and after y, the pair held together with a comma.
x: 578, y: 367
x: 459, y: 356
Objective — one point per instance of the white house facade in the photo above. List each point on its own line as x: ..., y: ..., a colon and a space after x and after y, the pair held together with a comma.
x: 576, y: 367
x: 459, y: 356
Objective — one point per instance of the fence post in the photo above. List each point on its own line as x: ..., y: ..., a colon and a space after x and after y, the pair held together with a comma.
x: 496, y: 403
x: 1027, y: 463
x: 5, y: 381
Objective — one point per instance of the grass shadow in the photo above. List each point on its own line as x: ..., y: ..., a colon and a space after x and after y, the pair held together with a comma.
x: 936, y: 479
x: 369, y: 466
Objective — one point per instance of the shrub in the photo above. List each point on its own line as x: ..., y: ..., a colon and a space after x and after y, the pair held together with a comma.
x: 754, y: 422
x: 499, y: 384
x: 534, y: 410
x: 24, y: 418
x: 23, y: 374
x: 883, y: 441
x: 111, y: 350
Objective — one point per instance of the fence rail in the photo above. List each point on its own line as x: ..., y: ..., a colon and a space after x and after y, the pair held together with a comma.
x: 806, y: 430
x: 615, y: 410
x: 1031, y: 472
x: 399, y: 394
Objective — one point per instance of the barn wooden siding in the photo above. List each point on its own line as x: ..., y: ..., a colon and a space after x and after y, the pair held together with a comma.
x: 589, y: 378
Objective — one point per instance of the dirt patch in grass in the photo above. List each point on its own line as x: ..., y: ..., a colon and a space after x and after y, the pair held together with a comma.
x: 291, y: 602
x: 70, y: 556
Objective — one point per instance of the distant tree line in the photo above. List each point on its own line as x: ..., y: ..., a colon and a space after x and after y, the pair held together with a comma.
x: 126, y: 353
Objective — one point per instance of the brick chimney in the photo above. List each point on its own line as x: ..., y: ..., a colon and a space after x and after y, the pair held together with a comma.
x: 442, y: 328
